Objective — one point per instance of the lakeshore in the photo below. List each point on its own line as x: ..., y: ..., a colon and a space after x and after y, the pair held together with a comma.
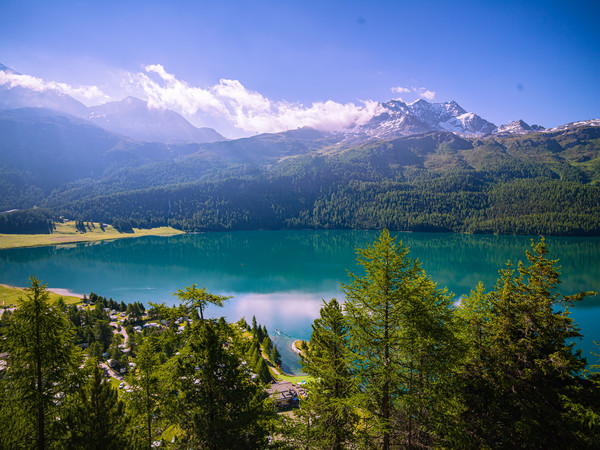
x: 67, y: 233
x: 9, y: 295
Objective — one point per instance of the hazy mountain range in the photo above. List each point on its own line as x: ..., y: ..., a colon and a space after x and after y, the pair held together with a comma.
x: 133, y: 118
x: 129, y: 117
x: 414, y: 166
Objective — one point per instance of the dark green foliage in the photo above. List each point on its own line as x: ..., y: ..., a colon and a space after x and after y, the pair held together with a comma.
x: 43, y: 367
x: 400, y: 366
x: 30, y: 221
x: 97, y: 419
x: 262, y: 371
x: 329, y: 408
x: 134, y: 311
x: 80, y: 226
x: 402, y: 345
x: 275, y: 356
x: 267, y: 345
x: 537, y: 183
x: 144, y: 401
x: 103, y: 333
x: 522, y: 377
x: 216, y: 406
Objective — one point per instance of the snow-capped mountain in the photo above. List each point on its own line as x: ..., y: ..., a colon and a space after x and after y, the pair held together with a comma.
x: 571, y: 125
x: 133, y: 117
x: 397, y: 118
x: 521, y: 127
x: 518, y: 127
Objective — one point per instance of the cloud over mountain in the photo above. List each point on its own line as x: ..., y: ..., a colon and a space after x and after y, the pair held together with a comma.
x: 422, y: 92
x: 85, y: 94
x: 227, y: 105
x: 246, y: 109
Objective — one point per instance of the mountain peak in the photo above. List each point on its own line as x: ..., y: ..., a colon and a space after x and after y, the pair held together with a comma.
x: 6, y: 69
x: 132, y: 117
x: 518, y: 127
x: 133, y: 100
x: 396, y: 118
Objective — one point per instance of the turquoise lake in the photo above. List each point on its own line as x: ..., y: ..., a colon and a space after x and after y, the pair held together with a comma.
x: 281, y: 277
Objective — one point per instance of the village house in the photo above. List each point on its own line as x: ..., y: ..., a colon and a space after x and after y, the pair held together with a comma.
x: 284, y: 394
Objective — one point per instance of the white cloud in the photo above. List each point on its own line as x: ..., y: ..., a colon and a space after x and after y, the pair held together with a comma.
x: 401, y: 90
x: 419, y: 91
x: 425, y: 93
x: 85, y: 94
x: 245, y: 109
x: 175, y: 94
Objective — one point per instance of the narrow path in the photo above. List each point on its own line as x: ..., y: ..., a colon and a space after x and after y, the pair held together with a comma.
x: 111, y: 373
x: 123, y: 332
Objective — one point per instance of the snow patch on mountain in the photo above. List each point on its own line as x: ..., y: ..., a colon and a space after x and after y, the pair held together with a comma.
x: 583, y: 123
x: 397, y: 118
x: 517, y: 127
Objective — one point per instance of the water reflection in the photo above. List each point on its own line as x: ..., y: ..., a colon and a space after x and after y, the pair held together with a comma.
x: 281, y: 276
x: 290, y: 312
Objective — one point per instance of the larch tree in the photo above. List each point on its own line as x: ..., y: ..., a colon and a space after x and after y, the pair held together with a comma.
x: 528, y: 367
x: 197, y: 299
x: 402, y: 345
x: 145, y: 398
x: 97, y: 420
x: 217, y: 405
x: 42, y: 370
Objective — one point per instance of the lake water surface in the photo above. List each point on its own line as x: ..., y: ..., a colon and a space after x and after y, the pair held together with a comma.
x: 281, y: 277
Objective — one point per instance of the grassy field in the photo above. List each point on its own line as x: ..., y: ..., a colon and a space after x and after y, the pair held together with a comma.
x: 67, y: 233
x: 295, y: 379
x: 9, y: 296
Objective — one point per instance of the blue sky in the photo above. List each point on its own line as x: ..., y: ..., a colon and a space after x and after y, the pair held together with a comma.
x: 251, y: 66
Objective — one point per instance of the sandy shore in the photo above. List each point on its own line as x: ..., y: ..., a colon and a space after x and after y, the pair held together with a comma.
x: 295, y: 348
x: 65, y: 292
x: 58, y: 291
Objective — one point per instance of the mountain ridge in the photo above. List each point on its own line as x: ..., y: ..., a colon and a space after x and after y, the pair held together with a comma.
x: 133, y: 117
x: 129, y: 117
x: 419, y: 167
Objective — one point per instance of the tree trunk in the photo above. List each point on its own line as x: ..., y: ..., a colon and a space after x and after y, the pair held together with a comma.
x: 41, y: 444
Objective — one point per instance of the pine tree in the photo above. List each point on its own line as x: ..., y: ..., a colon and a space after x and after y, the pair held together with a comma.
x: 262, y: 371
x: 275, y: 356
x: 329, y: 404
x: 217, y: 405
x: 267, y: 344
x: 98, y: 419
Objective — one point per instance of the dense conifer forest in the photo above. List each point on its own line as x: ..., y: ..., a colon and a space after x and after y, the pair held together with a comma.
x: 538, y: 183
x: 396, y: 365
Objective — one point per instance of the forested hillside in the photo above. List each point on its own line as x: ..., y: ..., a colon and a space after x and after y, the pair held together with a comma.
x: 537, y: 183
